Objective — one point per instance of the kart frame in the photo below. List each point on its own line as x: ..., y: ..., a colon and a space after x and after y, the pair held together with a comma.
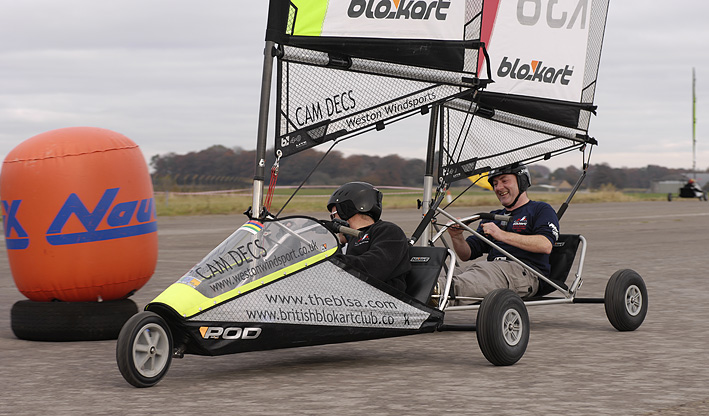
x: 151, y: 339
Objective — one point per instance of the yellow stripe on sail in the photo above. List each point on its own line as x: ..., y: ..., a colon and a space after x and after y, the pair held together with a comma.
x: 311, y: 14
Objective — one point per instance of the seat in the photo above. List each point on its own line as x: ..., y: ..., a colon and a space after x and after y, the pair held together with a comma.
x: 426, y: 264
x: 561, y: 260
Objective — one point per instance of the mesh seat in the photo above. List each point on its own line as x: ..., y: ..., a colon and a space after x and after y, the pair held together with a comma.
x: 561, y: 259
x: 426, y: 264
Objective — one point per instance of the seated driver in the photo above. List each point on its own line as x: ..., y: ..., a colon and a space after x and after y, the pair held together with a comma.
x: 383, y: 250
x: 693, y: 185
x: 529, y: 236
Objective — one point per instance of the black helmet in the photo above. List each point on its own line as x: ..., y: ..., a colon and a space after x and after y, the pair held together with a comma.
x: 524, y: 179
x: 354, y: 197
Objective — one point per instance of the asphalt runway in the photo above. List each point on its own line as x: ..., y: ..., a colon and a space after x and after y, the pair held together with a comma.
x: 576, y: 362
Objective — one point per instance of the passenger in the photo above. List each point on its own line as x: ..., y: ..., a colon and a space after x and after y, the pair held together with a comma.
x: 529, y: 236
x: 383, y: 250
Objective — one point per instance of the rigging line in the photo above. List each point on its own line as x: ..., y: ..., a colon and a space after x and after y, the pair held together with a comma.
x: 466, y: 122
x: 306, y: 178
x: 450, y: 153
x: 454, y: 155
x: 470, y: 114
x: 464, y: 191
x: 336, y: 141
x: 460, y: 194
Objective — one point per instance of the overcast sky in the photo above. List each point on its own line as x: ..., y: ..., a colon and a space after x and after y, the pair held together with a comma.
x: 181, y: 75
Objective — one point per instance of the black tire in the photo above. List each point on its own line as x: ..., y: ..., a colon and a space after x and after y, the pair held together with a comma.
x: 626, y: 300
x: 502, y: 327
x: 144, y: 349
x: 669, y: 197
x: 70, y: 321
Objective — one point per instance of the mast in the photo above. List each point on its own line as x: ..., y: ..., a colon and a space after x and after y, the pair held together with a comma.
x: 694, y: 126
x: 428, y: 175
x: 260, y: 169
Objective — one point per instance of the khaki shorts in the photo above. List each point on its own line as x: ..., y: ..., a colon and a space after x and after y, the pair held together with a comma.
x: 481, y: 278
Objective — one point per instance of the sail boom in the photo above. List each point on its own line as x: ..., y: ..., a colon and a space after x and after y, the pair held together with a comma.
x: 324, y: 59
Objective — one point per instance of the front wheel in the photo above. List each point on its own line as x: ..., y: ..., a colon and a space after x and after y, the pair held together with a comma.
x: 626, y: 300
x: 502, y: 327
x: 144, y: 349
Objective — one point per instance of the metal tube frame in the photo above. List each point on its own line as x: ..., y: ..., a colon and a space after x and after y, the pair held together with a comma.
x: 428, y: 174
x: 569, y: 295
x: 443, y: 297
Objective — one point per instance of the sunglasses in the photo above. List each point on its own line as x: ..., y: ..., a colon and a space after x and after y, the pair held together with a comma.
x: 332, y: 215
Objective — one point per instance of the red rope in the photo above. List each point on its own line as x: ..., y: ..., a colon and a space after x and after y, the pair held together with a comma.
x: 271, y: 186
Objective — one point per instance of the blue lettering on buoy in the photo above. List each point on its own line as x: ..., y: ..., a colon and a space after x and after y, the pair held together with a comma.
x: 117, y: 219
x: 10, y: 222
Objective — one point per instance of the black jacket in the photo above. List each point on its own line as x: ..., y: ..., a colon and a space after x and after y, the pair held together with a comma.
x: 383, y: 253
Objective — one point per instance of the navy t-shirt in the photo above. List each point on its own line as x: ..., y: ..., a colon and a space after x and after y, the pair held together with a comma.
x: 532, y: 218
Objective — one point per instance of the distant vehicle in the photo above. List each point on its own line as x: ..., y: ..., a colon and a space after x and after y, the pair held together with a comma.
x: 690, y: 190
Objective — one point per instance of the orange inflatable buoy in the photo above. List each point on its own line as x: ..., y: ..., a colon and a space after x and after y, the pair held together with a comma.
x: 78, y: 215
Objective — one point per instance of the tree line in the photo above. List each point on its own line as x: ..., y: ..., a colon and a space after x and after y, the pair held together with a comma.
x: 219, y: 167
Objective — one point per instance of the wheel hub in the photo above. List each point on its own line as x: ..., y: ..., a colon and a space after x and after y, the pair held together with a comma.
x: 512, y: 327
x: 633, y: 300
x: 151, y: 350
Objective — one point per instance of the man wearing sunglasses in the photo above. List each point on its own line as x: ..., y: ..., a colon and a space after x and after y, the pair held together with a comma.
x: 382, y: 251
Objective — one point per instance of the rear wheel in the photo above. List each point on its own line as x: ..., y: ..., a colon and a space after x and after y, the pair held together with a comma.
x: 626, y: 300
x: 144, y: 349
x: 502, y: 327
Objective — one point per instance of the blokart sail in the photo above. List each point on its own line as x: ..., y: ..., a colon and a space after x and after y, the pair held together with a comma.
x: 544, y: 58
x: 346, y: 66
